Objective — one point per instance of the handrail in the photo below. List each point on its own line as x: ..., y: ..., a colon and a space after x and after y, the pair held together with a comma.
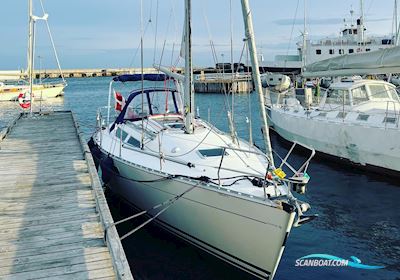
x: 304, y: 166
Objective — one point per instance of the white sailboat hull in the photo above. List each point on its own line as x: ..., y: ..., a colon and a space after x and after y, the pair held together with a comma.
x: 8, y: 93
x: 361, y: 144
x: 246, y: 234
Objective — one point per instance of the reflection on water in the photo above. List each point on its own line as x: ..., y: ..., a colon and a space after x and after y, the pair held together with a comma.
x: 358, y: 213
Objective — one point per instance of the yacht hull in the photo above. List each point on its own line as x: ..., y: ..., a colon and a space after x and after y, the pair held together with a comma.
x: 360, y: 144
x: 247, y: 234
x: 40, y: 92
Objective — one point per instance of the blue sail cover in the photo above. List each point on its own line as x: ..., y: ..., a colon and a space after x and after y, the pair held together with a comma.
x: 158, y: 77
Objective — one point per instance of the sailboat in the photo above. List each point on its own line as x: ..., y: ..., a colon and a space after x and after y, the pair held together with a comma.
x: 355, y: 119
x: 31, y: 91
x: 224, y: 195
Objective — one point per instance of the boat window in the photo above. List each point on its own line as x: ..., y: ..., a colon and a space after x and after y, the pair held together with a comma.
x: 393, y: 93
x: 322, y: 114
x: 362, y: 117
x: 176, y: 125
x: 351, y: 50
x: 341, y: 115
x: 389, y: 120
x: 157, y: 102
x: 331, y: 51
x: 139, y: 107
x: 132, y: 141
x: 367, y: 50
x: 379, y: 92
x: 337, y: 96
x: 162, y: 103
x: 359, y: 95
x: 318, y: 51
x: 341, y: 51
x: 217, y: 152
x: 120, y: 134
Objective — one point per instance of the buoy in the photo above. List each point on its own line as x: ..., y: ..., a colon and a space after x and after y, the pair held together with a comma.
x: 25, y: 104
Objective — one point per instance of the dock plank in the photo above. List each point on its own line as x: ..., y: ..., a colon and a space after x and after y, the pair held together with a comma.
x: 52, y: 209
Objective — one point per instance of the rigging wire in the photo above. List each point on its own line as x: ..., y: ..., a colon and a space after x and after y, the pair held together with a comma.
x: 141, y: 68
x: 53, y: 45
x: 155, y: 33
x: 291, y: 31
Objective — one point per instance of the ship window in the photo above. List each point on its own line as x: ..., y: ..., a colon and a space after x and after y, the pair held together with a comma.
x: 359, y: 95
x: 393, y: 93
x: 217, y: 152
x: 341, y: 115
x: 379, y: 92
x: 350, y: 31
x: 176, y: 125
x: 322, y: 114
x: 389, y: 120
x: 331, y: 51
x: 121, y: 134
x: 354, y: 31
x: 341, y: 51
x: 362, y: 117
x: 336, y: 96
x: 318, y: 51
x: 367, y: 50
x: 351, y: 50
x: 132, y: 141
x: 386, y: 42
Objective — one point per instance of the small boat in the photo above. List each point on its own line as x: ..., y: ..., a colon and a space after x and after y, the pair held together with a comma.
x: 227, y: 197
x: 355, y: 119
x: 40, y: 91
x: 11, y: 92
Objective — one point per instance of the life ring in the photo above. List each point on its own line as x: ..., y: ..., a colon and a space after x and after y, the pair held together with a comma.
x: 25, y: 104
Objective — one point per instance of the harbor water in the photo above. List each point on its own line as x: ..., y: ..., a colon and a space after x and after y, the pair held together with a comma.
x: 358, y: 210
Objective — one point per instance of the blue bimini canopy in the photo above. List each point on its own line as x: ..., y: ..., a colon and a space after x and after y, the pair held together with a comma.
x: 158, y: 77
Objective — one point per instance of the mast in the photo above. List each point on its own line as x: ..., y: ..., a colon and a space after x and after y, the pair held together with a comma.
x: 362, y: 21
x: 396, y: 24
x: 188, y: 86
x: 304, y: 52
x: 248, y: 24
x: 30, y: 52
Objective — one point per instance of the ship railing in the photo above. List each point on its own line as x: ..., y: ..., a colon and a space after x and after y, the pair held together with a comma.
x: 389, y: 112
x: 222, y: 76
x: 298, y: 179
x: 103, y: 121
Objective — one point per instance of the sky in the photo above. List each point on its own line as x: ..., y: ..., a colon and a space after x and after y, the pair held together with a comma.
x: 106, y: 34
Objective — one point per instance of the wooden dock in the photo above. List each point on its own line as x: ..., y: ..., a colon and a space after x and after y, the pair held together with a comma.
x: 53, y: 212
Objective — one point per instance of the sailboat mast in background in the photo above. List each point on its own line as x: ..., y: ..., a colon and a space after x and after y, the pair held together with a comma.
x: 30, y: 51
x: 248, y: 24
x: 188, y: 88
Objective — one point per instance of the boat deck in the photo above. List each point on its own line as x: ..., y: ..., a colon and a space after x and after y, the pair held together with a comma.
x: 52, y: 208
